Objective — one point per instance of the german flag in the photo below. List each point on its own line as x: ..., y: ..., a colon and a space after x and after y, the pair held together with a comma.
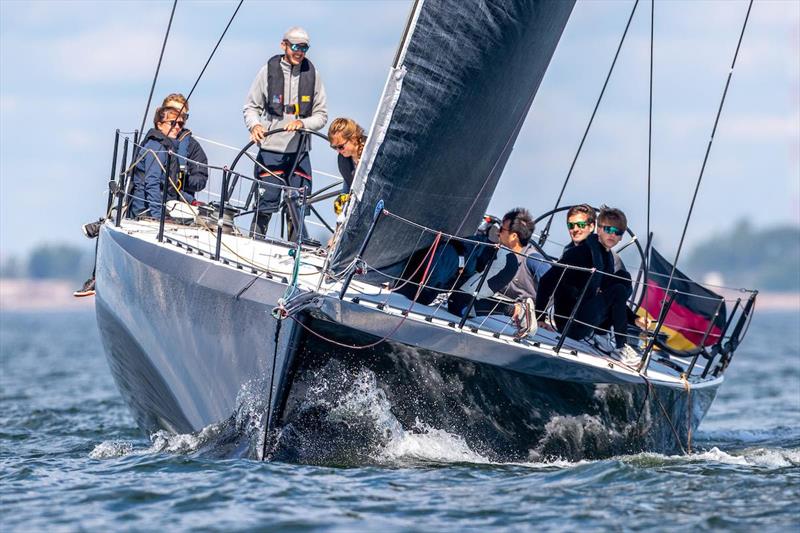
x: 692, y: 312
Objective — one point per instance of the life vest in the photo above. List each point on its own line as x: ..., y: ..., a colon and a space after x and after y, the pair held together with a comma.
x: 182, y: 149
x: 276, y: 102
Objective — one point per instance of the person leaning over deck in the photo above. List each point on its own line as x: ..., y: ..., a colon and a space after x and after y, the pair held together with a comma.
x: 347, y: 138
x: 605, y: 300
x: 193, y: 179
x: 286, y: 93
x: 148, y: 174
x: 192, y: 159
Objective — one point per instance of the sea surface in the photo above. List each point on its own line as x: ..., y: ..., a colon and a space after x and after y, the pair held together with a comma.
x: 72, y: 459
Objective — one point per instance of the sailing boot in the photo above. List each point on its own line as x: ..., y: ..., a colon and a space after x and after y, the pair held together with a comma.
x: 258, y: 228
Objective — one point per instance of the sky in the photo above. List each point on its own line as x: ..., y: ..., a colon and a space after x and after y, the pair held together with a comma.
x: 71, y: 72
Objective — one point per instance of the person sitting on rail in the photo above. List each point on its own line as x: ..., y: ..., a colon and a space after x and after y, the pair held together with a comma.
x: 192, y: 160
x: 604, y: 301
x: 513, y: 276
x: 286, y: 93
x: 149, y: 172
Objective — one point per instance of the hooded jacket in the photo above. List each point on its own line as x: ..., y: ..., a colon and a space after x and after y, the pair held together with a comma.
x: 148, y: 174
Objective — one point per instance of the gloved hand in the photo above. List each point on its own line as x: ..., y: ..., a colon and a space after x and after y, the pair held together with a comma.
x: 340, y: 202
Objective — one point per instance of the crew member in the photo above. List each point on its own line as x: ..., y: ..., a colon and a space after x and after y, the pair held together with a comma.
x: 286, y: 93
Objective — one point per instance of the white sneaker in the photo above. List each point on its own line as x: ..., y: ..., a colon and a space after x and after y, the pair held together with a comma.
x: 523, y: 318
x: 628, y: 355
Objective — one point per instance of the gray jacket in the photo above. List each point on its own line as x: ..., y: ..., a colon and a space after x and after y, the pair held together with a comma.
x: 255, y: 108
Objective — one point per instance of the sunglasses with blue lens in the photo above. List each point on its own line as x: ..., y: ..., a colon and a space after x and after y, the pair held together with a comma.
x: 301, y: 47
x: 613, y: 230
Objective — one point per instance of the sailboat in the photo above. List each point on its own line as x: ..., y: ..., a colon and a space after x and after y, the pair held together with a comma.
x: 197, y: 319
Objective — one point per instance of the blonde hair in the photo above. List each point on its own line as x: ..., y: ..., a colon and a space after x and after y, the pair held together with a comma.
x: 178, y: 98
x: 350, y: 131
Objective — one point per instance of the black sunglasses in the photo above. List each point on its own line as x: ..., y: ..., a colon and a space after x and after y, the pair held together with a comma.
x: 338, y: 147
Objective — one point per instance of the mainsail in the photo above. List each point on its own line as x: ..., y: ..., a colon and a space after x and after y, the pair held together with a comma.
x: 455, y: 100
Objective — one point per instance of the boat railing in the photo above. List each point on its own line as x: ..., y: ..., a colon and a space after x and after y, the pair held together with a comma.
x: 421, y: 282
x: 226, y: 205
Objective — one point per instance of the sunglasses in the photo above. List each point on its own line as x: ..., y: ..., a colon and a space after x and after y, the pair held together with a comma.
x: 178, y: 123
x: 613, y: 230
x: 338, y: 147
x: 302, y: 47
x: 582, y: 224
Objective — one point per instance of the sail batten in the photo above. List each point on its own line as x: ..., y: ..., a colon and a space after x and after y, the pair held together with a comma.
x: 451, y: 110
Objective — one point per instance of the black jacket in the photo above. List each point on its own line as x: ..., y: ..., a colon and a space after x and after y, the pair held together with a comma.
x: 589, y: 254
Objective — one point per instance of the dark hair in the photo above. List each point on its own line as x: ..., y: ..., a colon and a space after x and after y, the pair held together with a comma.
x: 520, y: 222
x: 613, y: 216
x: 585, y: 209
x: 161, y: 114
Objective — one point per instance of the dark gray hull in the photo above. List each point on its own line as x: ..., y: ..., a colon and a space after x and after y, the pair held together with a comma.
x: 190, y: 341
x: 183, y: 344
x: 503, y: 414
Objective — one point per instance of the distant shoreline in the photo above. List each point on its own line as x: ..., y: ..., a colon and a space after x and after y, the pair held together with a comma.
x: 41, y: 295
x: 56, y: 295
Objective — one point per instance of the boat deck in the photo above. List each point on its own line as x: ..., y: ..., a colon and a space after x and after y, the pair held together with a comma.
x: 272, y: 259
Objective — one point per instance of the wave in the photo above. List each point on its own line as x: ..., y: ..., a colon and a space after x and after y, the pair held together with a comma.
x: 344, y: 418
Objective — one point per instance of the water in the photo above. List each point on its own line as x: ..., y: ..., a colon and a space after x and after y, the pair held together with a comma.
x: 72, y: 458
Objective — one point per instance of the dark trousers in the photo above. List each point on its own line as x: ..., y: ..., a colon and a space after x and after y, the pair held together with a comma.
x: 608, y: 308
x: 280, y: 165
x: 459, y: 301
x: 270, y: 199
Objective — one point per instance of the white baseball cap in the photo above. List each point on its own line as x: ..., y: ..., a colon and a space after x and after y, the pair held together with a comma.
x: 296, y: 35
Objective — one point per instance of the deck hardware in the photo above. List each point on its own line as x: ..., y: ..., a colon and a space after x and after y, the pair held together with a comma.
x: 167, y: 181
x: 356, y: 299
x: 122, y: 181
x: 428, y: 319
x: 381, y: 306
x: 376, y: 215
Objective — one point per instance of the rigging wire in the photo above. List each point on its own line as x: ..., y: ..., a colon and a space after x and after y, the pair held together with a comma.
x: 546, y: 232
x: 158, y: 67
x: 708, y: 151
x: 649, y: 142
x: 214, y: 51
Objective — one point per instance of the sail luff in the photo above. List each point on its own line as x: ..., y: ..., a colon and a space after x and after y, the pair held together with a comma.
x: 451, y: 110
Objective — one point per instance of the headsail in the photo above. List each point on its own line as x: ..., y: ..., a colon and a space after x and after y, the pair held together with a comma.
x: 455, y: 100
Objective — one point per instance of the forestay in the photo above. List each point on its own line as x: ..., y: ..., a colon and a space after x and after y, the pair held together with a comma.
x: 464, y: 78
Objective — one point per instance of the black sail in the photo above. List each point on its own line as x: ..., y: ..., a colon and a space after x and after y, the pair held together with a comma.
x: 464, y: 78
